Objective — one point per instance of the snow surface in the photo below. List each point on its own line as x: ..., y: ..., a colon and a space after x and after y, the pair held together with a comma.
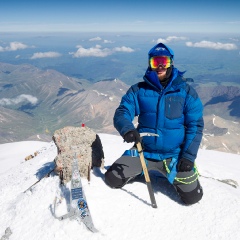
x: 117, y: 213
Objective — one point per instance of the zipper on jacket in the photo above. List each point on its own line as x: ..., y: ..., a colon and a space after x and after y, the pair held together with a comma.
x: 160, y: 117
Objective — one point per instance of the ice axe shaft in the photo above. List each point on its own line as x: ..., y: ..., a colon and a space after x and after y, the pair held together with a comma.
x: 146, y: 175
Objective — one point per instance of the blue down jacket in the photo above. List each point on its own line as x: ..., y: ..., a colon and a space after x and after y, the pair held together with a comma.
x: 174, y: 112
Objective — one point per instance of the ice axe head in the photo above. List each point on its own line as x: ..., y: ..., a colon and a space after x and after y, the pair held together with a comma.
x: 148, y: 134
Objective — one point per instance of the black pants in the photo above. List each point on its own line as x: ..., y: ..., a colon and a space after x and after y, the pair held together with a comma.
x: 127, y: 168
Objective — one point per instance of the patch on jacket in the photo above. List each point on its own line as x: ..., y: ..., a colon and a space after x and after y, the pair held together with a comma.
x: 174, y: 106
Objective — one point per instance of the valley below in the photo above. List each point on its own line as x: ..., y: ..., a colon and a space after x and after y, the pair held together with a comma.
x: 34, y: 103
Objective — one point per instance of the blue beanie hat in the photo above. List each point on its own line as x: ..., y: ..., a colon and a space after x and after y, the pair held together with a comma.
x: 161, y: 50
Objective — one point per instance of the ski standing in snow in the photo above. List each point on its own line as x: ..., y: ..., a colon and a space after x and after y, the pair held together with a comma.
x: 78, y: 203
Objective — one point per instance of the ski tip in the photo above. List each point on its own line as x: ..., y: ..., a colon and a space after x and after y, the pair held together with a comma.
x: 92, y: 229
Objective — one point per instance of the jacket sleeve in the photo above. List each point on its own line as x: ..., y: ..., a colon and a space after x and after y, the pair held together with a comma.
x: 126, y: 112
x: 194, y: 125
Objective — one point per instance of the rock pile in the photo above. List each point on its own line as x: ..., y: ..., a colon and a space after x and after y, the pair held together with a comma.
x: 82, y: 142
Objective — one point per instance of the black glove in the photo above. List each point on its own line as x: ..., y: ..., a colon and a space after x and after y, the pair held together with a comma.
x: 132, y: 136
x: 184, y: 165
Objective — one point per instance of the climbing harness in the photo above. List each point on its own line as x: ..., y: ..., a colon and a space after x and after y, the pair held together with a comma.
x: 183, y: 180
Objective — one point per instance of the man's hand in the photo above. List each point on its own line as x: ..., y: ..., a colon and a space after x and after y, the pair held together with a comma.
x: 132, y: 136
x: 184, y: 165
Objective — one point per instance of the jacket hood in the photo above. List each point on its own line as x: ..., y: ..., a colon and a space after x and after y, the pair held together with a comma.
x: 151, y: 77
x: 161, y: 50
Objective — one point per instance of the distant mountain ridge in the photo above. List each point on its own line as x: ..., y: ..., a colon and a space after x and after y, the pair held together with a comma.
x: 59, y: 100
x: 224, y: 98
x: 34, y: 103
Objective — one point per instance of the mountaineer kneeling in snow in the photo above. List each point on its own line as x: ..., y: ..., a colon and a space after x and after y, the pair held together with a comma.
x: 168, y: 106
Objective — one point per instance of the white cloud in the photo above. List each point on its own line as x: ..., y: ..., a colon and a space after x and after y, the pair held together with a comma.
x: 123, y: 49
x: 234, y: 39
x: 100, y: 39
x: 21, y: 98
x: 14, y: 46
x: 170, y: 39
x: 213, y: 45
x: 107, y: 41
x: 95, y: 39
x: 45, y: 55
x: 98, y: 51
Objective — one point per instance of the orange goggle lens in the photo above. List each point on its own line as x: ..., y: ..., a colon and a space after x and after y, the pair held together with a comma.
x: 165, y: 61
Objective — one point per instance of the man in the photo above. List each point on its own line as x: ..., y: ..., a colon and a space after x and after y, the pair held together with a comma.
x: 167, y: 106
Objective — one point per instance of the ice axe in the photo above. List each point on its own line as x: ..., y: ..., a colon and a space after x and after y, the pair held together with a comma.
x: 145, y: 170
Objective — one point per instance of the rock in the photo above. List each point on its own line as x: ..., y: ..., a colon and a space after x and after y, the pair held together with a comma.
x: 7, y: 234
x: 29, y: 157
x: 83, y: 142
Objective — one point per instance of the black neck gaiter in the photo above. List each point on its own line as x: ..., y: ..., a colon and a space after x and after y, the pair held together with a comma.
x: 168, y: 75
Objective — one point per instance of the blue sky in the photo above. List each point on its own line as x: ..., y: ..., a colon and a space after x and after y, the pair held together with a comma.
x: 125, y: 15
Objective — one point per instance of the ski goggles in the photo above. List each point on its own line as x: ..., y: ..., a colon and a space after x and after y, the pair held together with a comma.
x: 165, y: 61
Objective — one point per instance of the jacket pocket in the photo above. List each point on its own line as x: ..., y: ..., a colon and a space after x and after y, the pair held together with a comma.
x: 174, y: 107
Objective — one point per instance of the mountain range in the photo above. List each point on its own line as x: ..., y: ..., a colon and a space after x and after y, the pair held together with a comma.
x: 35, y: 102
